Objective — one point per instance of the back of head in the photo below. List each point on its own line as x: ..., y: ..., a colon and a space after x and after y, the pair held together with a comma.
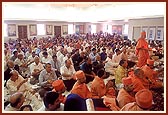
x: 121, y: 62
x: 144, y: 98
x: 75, y: 103
x: 45, y: 53
x: 94, y: 49
x: 42, y: 92
x: 79, y: 74
x: 101, y: 72
x: 15, y: 99
x: 26, y: 108
x: 137, y: 72
x: 49, y: 98
x: 58, y: 85
x: 126, y: 80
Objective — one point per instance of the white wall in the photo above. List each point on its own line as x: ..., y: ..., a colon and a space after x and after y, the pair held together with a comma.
x: 132, y: 23
x: 143, y: 22
x: 27, y: 23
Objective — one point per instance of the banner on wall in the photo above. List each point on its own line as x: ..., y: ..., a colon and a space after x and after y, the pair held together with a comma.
x: 65, y: 29
x: 89, y: 29
x: 160, y: 34
x: 152, y: 31
x: 77, y: 29
x: 117, y: 29
x: 11, y: 30
x: 81, y: 29
x: 49, y: 29
x: 33, y: 30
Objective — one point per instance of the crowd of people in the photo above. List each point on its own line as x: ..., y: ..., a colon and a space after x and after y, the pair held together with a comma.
x: 61, y: 73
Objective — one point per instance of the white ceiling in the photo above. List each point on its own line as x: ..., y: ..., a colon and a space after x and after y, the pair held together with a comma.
x: 82, y: 11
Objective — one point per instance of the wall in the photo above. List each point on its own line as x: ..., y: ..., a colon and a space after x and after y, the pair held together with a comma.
x: 143, y: 22
x: 27, y: 23
x: 132, y: 23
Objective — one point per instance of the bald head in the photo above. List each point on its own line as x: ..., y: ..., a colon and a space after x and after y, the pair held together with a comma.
x: 10, y: 64
x: 139, y: 73
x: 17, y: 99
x: 14, y: 75
x: 14, y: 72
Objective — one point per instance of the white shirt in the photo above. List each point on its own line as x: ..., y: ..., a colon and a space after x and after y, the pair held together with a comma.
x: 109, y: 65
x: 49, y: 51
x: 116, y: 58
x: 108, y: 51
x: 69, y: 71
x: 56, y: 65
x: 65, y: 58
x: 35, y: 66
x: 10, y: 108
x: 28, y: 54
x: 12, y: 86
x: 46, y: 60
x: 60, y: 58
x: 19, y: 62
x: 30, y: 59
x: 69, y: 49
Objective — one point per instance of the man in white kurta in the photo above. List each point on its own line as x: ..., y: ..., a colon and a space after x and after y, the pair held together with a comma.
x: 18, y: 84
x: 67, y: 71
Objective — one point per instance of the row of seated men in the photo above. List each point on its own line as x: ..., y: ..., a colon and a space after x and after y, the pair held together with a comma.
x: 43, y: 67
x: 115, y: 98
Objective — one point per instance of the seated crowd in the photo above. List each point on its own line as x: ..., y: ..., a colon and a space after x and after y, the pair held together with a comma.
x: 61, y: 73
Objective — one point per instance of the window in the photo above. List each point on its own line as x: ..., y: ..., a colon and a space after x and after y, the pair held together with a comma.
x: 105, y: 28
x: 5, y: 31
x: 70, y: 28
x: 40, y: 29
x: 126, y: 29
x: 93, y: 29
x: 109, y: 30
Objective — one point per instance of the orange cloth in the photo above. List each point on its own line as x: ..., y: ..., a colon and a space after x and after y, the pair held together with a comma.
x: 126, y: 80
x: 150, y: 62
x: 131, y: 107
x: 144, y: 98
x: 62, y: 98
x: 151, y: 75
x: 111, y: 92
x: 58, y: 85
x: 82, y: 90
x: 98, y: 88
x: 111, y: 103
x: 137, y: 84
x: 145, y: 83
x: 143, y: 33
x: 80, y: 74
x: 142, y: 52
x: 124, y: 97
